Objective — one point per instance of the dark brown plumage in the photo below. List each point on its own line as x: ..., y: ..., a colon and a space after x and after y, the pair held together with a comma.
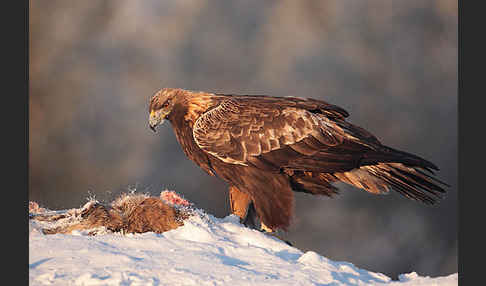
x: 266, y: 147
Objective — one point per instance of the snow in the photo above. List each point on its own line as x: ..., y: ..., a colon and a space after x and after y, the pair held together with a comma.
x: 205, y: 251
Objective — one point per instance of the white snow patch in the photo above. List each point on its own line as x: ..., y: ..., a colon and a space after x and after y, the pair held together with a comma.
x: 205, y: 251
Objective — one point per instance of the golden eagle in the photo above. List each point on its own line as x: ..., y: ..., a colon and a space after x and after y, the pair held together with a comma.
x: 266, y: 147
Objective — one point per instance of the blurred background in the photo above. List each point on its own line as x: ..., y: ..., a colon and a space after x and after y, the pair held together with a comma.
x: 391, y: 64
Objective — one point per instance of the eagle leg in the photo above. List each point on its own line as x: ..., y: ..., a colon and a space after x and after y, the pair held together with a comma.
x: 242, y: 206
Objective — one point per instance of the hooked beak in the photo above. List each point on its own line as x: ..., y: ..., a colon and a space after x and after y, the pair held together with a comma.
x: 155, y: 119
x: 152, y: 127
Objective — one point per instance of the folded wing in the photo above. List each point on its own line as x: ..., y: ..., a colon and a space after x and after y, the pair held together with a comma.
x: 237, y: 132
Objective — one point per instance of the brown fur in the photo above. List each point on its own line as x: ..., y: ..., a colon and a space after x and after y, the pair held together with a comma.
x: 154, y: 215
x: 128, y: 214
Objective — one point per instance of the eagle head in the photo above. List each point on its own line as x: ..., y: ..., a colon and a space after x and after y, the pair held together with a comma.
x: 160, y: 107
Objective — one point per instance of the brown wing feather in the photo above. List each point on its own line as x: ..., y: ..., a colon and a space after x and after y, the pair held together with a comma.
x: 310, y: 104
x: 235, y: 131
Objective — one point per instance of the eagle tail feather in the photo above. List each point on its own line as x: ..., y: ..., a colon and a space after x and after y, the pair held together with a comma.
x: 407, y: 181
x: 386, y: 154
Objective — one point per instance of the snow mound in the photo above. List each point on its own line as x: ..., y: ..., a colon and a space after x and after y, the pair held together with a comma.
x: 205, y: 251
